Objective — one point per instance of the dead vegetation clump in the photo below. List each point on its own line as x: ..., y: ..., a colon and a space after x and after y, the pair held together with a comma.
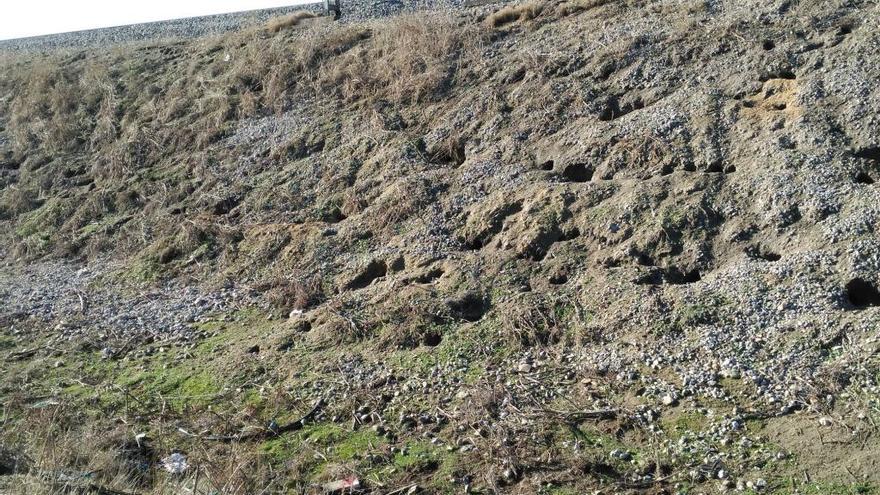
x: 15, y: 201
x: 515, y: 13
x: 569, y: 8
x: 545, y: 320
x: 408, y: 60
x: 285, y: 22
x: 61, y: 451
x: 295, y: 294
x: 402, y: 201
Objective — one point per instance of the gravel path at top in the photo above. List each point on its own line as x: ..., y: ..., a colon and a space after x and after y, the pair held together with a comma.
x: 193, y: 27
x: 196, y: 27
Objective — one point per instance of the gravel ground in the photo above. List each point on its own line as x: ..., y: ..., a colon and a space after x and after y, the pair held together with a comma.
x: 76, y: 300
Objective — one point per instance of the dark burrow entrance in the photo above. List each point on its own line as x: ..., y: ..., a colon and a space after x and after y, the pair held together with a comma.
x: 862, y: 294
x: 864, y: 178
x: 432, y: 339
x: 762, y: 253
x: 872, y: 153
x: 470, y: 307
x: 577, y: 172
x: 671, y: 276
x: 372, y: 271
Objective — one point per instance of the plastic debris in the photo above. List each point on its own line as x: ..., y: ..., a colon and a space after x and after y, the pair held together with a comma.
x: 175, y: 463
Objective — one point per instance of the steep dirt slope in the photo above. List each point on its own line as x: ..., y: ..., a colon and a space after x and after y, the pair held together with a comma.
x: 615, y: 246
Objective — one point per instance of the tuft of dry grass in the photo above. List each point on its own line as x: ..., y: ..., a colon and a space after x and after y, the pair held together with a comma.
x: 410, y: 59
x: 515, y: 13
x: 285, y: 22
x: 576, y: 6
x: 301, y: 294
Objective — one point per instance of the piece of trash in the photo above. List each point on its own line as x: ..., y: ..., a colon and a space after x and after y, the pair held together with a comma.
x: 43, y: 404
x: 140, y: 439
x: 339, y: 486
x: 175, y: 463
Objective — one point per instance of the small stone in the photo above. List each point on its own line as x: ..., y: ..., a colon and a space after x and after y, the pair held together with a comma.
x: 620, y: 454
x: 825, y: 421
x: 524, y: 368
x: 731, y: 373
x: 668, y: 400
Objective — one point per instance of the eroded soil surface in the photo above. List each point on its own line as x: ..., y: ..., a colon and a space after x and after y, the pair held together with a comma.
x: 612, y: 247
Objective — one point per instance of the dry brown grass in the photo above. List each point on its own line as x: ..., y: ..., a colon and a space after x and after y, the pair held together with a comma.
x: 141, y: 114
x: 64, y: 453
x: 301, y: 293
x: 285, y: 22
x: 126, y: 113
x: 576, y: 6
x: 410, y: 59
x: 515, y: 13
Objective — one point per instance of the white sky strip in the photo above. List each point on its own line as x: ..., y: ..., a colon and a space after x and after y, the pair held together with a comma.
x: 22, y: 18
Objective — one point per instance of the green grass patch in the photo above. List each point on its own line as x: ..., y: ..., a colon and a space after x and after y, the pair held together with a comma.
x: 678, y: 424
x: 792, y: 485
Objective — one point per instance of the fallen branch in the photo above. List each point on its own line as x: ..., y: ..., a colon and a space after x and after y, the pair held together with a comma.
x: 27, y: 353
x: 261, y: 434
x: 584, y: 415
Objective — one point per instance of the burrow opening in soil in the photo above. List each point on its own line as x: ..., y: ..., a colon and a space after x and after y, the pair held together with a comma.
x: 432, y: 339
x: 862, y: 294
x: 863, y: 178
x: 762, y: 253
x: 454, y: 154
x: 334, y: 215
x: 570, y: 235
x: 872, y: 154
x: 578, y: 172
x: 671, y: 276
x: 226, y: 205
x: 470, y: 307
x: 372, y: 271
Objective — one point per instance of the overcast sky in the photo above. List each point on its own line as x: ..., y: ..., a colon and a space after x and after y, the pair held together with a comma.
x: 20, y: 18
